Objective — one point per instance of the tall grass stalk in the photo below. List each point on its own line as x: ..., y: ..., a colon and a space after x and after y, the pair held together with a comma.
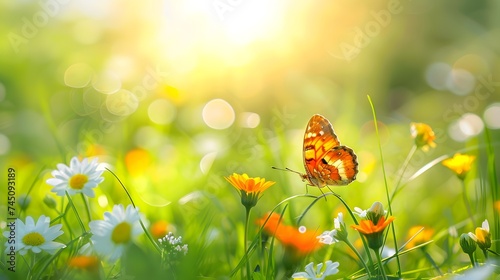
x: 495, y: 192
x: 385, y: 183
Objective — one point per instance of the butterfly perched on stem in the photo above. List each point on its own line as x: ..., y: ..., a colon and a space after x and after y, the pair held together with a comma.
x: 327, y: 163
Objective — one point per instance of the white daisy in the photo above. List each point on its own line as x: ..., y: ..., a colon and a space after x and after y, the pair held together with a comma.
x: 112, y: 235
x: 35, y: 237
x: 330, y: 269
x: 78, y: 177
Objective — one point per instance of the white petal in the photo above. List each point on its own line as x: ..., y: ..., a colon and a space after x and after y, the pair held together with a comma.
x: 300, y: 275
x: 486, y: 226
x: 310, y: 269
x: 473, y: 236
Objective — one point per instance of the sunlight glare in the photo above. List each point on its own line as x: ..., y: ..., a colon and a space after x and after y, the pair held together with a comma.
x: 248, y: 21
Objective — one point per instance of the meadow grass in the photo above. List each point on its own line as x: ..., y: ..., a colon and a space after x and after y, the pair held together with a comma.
x: 226, y: 240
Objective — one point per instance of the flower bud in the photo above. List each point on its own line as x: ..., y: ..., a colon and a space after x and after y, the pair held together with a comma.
x: 375, y: 212
x: 24, y: 201
x: 50, y: 201
x: 467, y: 243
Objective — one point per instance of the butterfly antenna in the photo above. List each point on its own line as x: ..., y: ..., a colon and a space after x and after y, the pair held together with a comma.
x: 286, y: 169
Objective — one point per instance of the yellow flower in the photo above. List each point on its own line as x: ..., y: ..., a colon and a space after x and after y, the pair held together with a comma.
x: 249, y: 188
x: 423, y: 135
x: 422, y: 236
x: 482, y: 236
x: 460, y: 164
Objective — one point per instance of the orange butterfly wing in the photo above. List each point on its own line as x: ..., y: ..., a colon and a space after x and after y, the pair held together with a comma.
x: 325, y: 160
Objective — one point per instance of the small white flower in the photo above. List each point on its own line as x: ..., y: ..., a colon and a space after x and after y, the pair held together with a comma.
x: 330, y: 269
x: 78, y: 177
x: 330, y: 237
x: 360, y: 212
x: 338, y: 221
x: 112, y: 235
x: 35, y: 237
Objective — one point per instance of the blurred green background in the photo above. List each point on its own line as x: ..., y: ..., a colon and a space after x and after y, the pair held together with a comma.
x: 174, y: 95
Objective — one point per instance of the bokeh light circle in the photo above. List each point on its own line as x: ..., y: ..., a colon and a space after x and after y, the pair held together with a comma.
x: 466, y: 126
x: 218, y: 114
x: 492, y: 116
x: 460, y: 82
x: 302, y: 229
x: 78, y: 75
x: 471, y: 124
x: 106, y: 82
x: 4, y: 144
x: 249, y: 119
x: 2, y: 92
x: 207, y: 161
x: 122, y: 103
x: 161, y: 111
x: 437, y: 74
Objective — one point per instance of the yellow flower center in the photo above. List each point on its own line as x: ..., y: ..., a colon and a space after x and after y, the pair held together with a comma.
x: 122, y: 232
x: 33, y: 239
x: 78, y: 181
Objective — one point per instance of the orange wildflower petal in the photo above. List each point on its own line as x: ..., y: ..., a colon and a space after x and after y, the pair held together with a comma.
x: 367, y: 226
x: 247, y: 184
x: 89, y: 263
x: 159, y: 229
x: 289, y: 236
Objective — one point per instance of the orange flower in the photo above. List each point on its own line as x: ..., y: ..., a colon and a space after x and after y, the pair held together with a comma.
x: 367, y: 227
x: 422, y: 236
x: 423, y: 135
x: 88, y: 263
x: 460, y: 164
x: 159, y: 229
x: 373, y: 232
x: 250, y: 188
x: 497, y: 205
x: 302, y: 243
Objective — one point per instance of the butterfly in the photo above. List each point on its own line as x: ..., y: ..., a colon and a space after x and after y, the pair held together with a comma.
x: 327, y: 163
x: 325, y: 160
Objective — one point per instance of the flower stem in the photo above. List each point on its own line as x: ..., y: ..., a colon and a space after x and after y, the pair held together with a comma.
x: 365, y: 245
x: 467, y: 204
x: 471, y: 257
x: 87, y: 208
x: 70, y: 201
x: 359, y: 257
x: 380, y: 266
x: 485, y: 252
x: 431, y: 260
x: 247, y: 218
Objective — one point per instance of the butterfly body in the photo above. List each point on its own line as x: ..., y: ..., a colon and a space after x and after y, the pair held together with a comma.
x: 326, y: 161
